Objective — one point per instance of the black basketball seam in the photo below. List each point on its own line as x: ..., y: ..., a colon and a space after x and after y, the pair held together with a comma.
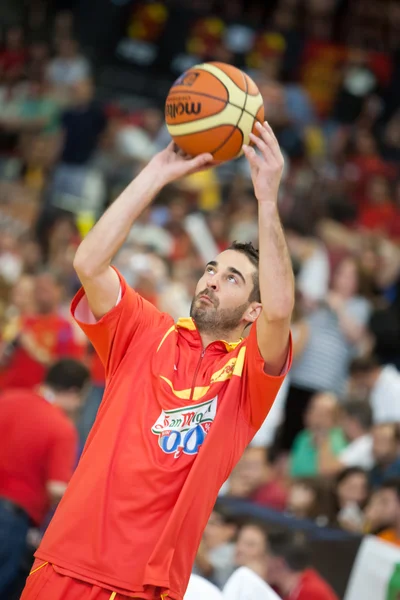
x: 238, y: 121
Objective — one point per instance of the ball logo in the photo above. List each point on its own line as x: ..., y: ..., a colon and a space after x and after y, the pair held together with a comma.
x: 183, y: 430
x: 175, y: 109
x: 187, y: 79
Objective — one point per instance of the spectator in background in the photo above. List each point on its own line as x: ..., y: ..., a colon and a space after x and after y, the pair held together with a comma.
x: 69, y: 66
x: 351, y: 493
x: 40, y: 338
x: 356, y: 423
x: 39, y: 454
x: 215, y: 556
x: 34, y: 112
x: 392, y: 534
x: 303, y: 499
x: 253, y: 479
x: 252, y: 548
x: 138, y: 140
x: 13, y: 55
x: 386, y: 451
x: 83, y: 122
x: 244, y: 584
x: 379, y: 383
x: 289, y: 570
x: 380, y: 511
x: 336, y: 329
x: 321, y: 420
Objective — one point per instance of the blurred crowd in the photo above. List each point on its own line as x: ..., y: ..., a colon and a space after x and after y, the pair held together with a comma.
x: 330, y: 449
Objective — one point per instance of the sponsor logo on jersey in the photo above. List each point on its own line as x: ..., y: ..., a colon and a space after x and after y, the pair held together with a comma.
x: 183, y: 430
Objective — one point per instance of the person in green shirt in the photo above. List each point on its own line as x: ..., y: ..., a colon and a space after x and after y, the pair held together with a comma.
x: 321, y: 420
x: 34, y: 112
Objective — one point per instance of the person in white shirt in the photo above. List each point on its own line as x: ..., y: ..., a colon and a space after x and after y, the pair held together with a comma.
x: 68, y: 67
x: 381, y: 383
x: 356, y: 423
x: 244, y: 584
x: 201, y: 589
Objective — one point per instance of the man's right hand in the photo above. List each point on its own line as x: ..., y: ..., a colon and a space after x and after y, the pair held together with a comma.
x: 172, y: 164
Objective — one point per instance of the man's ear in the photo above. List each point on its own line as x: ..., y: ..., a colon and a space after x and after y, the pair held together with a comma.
x: 253, y: 312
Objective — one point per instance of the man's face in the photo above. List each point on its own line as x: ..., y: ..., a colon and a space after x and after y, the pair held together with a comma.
x: 221, y: 301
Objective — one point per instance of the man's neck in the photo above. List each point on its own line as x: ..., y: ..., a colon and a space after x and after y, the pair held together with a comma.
x: 208, y: 337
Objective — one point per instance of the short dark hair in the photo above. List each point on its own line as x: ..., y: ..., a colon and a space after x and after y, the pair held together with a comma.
x: 363, y: 365
x: 360, y: 411
x: 67, y: 374
x: 226, y: 514
x: 293, y: 548
x: 253, y: 255
x: 348, y: 472
x: 392, y: 483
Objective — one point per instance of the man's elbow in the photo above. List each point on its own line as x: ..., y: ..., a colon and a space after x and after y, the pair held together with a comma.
x: 85, y: 265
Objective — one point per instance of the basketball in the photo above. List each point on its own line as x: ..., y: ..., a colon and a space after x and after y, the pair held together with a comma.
x: 213, y: 107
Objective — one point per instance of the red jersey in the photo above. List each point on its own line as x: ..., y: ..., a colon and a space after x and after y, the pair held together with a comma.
x: 174, y: 421
x: 312, y: 587
x: 53, y: 333
x: 38, y: 444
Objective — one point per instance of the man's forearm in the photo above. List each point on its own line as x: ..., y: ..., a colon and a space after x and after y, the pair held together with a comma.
x: 275, y: 268
x: 97, y: 250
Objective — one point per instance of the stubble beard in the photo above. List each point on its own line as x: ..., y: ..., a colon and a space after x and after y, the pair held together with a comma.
x: 210, y: 319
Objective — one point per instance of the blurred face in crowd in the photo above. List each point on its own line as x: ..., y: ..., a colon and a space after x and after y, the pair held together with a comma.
x: 14, y: 38
x: 381, y: 510
x: 378, y: 190
x: 23, y: 297
x: 82, y: 91
x: 301, y: 500
x: 217, y: 531
x: 67, y: 48
x: 385, y: 446
x: 252, y: 548
x: 252, y: 470
x: 222, y: 300
x: 152, y: 120
x: 345, y: 280
x: 321, y: 413
x: 47, y: 293
x: 353, y: 489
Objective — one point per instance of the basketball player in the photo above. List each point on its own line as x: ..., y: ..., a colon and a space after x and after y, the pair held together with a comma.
x: 182, y: 400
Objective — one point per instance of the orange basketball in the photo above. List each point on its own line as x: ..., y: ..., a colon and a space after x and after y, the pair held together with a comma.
x: 213, y: 108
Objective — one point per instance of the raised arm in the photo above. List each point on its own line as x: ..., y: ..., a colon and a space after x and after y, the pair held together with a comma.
x: 93, y: 258
x: 275, y: 267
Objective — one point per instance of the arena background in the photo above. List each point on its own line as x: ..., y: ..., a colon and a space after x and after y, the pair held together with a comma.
x: 82, y: 87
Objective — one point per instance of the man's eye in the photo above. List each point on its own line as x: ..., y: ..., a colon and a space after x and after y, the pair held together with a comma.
x: 232, y: 278
x: 210, y: 270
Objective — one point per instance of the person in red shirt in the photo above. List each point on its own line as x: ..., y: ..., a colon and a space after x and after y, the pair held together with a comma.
x: 39, y: 447
x: 39, y: 338
x: 182, y: 400
x: 290, y: 573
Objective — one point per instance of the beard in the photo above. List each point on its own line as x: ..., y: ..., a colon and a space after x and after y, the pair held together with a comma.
x: 210, y: 318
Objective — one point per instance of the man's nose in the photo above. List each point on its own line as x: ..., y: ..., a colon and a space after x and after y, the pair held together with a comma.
x: 212, y: 283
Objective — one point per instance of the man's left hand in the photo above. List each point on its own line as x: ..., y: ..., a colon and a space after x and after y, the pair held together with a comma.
x: 266, y: 166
